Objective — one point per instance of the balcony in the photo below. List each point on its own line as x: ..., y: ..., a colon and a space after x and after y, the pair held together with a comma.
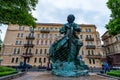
x: 94, y: 56
x: 28, y: 45
x: 27, y: 55
x: 89, y: 39
x: 45, y: 31
x: 90, y: 47
x: 30, y: 37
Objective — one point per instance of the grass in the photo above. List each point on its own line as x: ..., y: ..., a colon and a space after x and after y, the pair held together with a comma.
x: 115, y: 73
x: 4, y: 71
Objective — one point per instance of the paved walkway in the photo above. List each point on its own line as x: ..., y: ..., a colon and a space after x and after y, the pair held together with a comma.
x: 48, y: 76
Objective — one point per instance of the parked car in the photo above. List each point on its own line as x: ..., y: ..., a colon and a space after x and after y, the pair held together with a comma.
x: 116, y: 67
x: 21, y: 65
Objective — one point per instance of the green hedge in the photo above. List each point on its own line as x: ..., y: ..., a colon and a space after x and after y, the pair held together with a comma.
x: 115, y: 73
x: 7, y: 73
x: 4, y: 71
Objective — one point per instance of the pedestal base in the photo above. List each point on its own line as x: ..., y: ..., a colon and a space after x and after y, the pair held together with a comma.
x: 68, y: 69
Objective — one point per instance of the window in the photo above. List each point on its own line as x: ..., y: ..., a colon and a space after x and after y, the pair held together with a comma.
x: 92, y: 52
x: 55, y: 35
x: 93, y: 61
x: 46, y: 35
x: 51, y: 29
x: 89, y: 61
x: 38, y: 35
x: 35, y: 60
x: 16, y: 43
x: 29, y: 50
x: 50, y: 42
x: 18, y: 51
x: 18, y: 35
x: 81, y: 36
x: 16, y: 60
x: 21, y: 34
x: 50, y: 35
x: 88, y: 52
x: 14, y: 50
x: 43, y: 28
x: 44, y: 60
x: 42, y: 35
x: 41, y: 42
x: 37, y: 42
x: 28, y: 60
x: 20, y: 42
x: 87, y: 36
x: 45, y: 51
x: 40, y: 60
x: 40, y: 51
x: 36, y: 51
x: 56, y: 29
x: 31, y: 29
x: 46, y: 29
x: 38, y: 28
x: 46, y: 42
x: 21, y: 28
x: 12, y: 61
x: 88, y: 30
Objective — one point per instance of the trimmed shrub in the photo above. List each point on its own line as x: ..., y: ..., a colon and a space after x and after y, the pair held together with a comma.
x: 4, y: 71
x: 114, y: 73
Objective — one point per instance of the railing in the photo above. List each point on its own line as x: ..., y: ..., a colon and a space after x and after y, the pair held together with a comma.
x: 27, y: 55
x: 90, y: 47
x: 94, y: 56
x: 44, y: 31
x: 89, y: 39
x: 29, y: 45
x: 30, y: 37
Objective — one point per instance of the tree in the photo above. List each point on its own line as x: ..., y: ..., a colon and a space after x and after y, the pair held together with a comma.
x: 17, y: 12
x: 114, y: 24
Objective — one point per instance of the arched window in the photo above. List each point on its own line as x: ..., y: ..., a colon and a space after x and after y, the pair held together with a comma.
x: 16, y: 60
x: 35, y: 60
x: 14, y: 50
x: 44, y: 60
x: 88, y: 52
x: 18, y: 51
x: 40, y: 51
x: 45, y: 51
x: 12, y: 61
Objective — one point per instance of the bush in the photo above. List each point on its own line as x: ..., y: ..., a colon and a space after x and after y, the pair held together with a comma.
x: 7, y: 73
x: 114, y: 73
x: 4, y: 71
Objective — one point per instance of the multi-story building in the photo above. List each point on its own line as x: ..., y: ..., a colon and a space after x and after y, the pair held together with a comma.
x: 44, y: 35
x: 112, y: 48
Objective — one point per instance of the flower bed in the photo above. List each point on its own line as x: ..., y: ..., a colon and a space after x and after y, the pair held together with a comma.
x: 115, y: 73
x: 4, y: 71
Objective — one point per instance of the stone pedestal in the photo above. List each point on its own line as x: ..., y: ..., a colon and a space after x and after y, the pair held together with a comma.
x: 68, y: 69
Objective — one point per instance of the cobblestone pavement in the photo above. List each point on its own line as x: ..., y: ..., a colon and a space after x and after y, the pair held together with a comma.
x: 48, y: 76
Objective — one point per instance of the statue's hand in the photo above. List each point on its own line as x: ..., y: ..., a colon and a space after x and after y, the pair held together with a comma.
x: 68, y: 26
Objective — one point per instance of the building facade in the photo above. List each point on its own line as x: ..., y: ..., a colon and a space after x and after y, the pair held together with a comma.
x: 112, y: 48
x: 16, y: 41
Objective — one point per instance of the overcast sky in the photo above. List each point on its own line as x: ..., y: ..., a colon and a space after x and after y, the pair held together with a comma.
x: 85, y: 11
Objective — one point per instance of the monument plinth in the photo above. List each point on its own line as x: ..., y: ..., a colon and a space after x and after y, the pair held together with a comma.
x: 64, y: 52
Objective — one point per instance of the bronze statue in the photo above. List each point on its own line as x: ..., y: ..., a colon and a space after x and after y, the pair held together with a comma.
x: 64, y: 52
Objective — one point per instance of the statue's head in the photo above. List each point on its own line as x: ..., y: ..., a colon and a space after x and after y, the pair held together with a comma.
x: 70, y: 18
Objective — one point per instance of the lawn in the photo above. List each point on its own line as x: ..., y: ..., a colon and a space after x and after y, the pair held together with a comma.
x: 4, y: 71
x: 115, y: 73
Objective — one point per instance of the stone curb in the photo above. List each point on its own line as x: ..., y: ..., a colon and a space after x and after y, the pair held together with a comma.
x: 9, y: 77
x: 109, y: 76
